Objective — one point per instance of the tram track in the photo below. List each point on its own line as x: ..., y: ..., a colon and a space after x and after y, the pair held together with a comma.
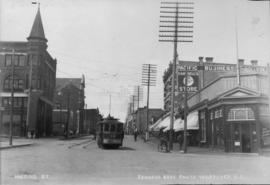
x: 81, y: 143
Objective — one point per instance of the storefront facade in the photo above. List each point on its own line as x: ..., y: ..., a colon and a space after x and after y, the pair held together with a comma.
x: 234, y: 120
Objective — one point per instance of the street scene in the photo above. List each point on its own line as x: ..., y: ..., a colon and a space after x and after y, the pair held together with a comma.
x: 80, y: 161
x: 134, y: 92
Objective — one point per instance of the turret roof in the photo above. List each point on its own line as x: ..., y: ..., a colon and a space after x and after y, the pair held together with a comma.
x: 37, y: 31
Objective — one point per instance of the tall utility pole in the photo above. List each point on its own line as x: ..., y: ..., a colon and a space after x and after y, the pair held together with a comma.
x: 149, y: 72
x: 237, y: 48
x: 138, y: 95
x: 110, y: 104
x: 68, y: 113
x: 176, y: 24
x: 12, y: 98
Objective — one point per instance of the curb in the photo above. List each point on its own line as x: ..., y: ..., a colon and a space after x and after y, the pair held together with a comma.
x: 15, y: 146
x: 213, y: 153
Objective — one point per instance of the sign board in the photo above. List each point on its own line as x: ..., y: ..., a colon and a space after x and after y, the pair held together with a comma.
x: 192, y: 82
x: 221, y: 67
x: 207, y: 67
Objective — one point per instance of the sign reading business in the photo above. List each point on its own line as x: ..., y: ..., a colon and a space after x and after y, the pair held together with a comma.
x: 192, y: 82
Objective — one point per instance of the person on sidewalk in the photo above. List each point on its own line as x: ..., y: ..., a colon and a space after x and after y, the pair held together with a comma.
x: 135, y: 134
x: 180, y: 141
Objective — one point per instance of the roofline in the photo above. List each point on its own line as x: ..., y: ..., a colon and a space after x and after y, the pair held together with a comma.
x: 220, y: 77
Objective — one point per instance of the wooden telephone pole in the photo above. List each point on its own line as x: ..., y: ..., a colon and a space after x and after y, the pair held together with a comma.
x: 176, y: 26
x: 149, y: 72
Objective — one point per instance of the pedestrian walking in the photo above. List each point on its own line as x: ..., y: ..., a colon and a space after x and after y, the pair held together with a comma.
x: 135, y: 134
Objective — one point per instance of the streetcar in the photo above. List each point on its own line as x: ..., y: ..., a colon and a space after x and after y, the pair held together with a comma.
x: 110, y: 133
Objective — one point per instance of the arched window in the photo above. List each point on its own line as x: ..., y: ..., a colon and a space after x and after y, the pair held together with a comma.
x: 241, y: 114
x: 18, y: 83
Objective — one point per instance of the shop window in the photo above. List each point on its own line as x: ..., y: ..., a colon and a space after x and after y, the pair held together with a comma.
x: 211, y: 115
x: 202, y: 115
x: 220, y: 113
x: 244, y: 113
x: 216, y: 114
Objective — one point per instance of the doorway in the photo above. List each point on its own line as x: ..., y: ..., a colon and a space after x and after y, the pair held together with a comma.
x: 241, y: 137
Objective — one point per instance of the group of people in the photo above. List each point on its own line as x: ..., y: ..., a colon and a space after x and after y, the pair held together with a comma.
x: 163, y: 138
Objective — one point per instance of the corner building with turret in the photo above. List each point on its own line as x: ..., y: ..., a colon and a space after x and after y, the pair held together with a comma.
x: 33, y: 83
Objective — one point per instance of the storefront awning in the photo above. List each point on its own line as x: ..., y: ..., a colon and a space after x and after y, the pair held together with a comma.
x: 161, y: 123
x: 192, y: 123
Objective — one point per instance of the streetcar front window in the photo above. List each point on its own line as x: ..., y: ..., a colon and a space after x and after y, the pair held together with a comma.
x: 106, y: 127
x: 119, y: 128
x: 113, y: 128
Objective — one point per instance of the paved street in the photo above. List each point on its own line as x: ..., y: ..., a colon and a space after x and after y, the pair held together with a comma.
x: 80, y: 161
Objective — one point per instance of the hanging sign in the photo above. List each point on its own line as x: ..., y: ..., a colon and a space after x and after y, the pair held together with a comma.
x: 192, y: 82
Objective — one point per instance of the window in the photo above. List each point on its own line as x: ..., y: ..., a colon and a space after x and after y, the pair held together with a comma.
x: 25, y: 101
x: 202, y: 115
x: 16, y: 60
x: 119, y: 128
x: 6, y: 102
x: 18, y: 83
x: 220, y: 113
x: 216, y: 114
x: 8, y: 60
x: 211, y: 115
x: 106, y: 127
x: 22, y: 60
x: 17, y: 102
x: 113, y: 128
x: 243, y: 113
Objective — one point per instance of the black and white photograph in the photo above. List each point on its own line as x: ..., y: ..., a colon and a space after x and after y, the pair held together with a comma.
x: 151, y: 92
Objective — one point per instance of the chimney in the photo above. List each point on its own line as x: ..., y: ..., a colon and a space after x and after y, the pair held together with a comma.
x: 209, y: 59
x: 241, y: 62
x: 200, y: 59
x: 254, y: 62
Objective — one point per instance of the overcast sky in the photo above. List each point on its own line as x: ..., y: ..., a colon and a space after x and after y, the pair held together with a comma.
x: 109, y: 40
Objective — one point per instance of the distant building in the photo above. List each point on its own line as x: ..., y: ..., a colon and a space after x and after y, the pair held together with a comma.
x: 40, y: 80
x: 140, y: 117
x: 91, y: 117
x: 68, y: 96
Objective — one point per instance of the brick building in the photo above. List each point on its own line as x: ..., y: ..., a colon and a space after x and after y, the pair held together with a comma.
x: 140, y: 115
x: 91, y: 117
x: 68, y: 105
x: 34, y: 83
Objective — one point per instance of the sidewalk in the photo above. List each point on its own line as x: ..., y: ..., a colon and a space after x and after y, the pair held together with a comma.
x: 16, y: 142
x: 206, y: 150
